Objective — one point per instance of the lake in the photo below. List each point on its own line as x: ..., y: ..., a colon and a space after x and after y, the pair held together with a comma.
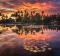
x: 29, y: 40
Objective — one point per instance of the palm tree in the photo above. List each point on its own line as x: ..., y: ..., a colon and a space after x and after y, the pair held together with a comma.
x: 42, y: 17
x: 42, y: 14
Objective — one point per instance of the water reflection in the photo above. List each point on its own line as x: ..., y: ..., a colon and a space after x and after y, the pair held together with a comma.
x: 28, y: 29
x: 36, y: 38
x: 36, y: 46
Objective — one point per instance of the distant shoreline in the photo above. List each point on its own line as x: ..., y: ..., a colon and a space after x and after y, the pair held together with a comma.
x: 26, y: 24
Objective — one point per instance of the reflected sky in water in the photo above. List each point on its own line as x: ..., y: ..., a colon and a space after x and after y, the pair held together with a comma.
x: 33, y: 38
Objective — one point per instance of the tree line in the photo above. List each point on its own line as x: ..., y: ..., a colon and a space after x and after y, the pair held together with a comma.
x: 30, y: 18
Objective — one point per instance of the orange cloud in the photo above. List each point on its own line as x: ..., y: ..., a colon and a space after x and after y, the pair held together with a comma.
x: 36, y: 6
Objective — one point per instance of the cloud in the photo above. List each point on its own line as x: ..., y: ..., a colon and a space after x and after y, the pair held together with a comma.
x: 46, y: 5
x: 6, y: 9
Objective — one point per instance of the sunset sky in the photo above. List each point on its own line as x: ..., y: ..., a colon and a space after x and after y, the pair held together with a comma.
x: 49, y: 6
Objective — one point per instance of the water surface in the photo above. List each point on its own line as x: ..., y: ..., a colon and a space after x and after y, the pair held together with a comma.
x: 29, y: 40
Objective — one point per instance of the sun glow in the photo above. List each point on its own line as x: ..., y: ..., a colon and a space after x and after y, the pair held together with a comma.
x: 38, y: 7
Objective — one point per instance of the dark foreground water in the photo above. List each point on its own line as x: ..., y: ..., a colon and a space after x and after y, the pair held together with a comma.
x: 33, y: 40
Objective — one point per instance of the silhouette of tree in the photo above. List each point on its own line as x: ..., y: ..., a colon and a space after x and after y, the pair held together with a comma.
x: 37, y: 18
x: 32, y: 18
x: 26, y: 17
x: 19, y: 19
